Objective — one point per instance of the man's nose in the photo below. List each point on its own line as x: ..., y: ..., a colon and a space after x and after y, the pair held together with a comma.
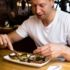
x: 38, y: 10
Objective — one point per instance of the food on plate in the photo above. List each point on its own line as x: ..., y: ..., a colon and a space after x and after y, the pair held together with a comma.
x: 28, y: 57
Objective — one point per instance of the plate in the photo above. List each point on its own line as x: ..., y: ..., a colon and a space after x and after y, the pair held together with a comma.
x: 8, y: 58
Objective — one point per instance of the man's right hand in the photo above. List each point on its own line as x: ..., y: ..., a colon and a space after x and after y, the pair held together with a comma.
x: 5, y: 42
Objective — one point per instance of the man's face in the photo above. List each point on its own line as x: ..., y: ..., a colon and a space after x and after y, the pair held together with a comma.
x: 42, y: 8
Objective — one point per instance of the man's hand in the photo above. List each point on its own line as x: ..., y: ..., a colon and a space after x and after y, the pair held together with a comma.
x: 50, y: 50
x: 5, y: 41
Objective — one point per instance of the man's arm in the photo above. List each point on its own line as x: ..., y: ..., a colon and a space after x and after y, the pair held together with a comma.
x: 53, y: 50
x: 14, y: 37
x: 7, y: 40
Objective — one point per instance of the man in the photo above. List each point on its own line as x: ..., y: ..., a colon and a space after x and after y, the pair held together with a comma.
x: 50, y: 29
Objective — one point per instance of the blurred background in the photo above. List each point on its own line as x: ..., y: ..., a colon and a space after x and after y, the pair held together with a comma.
x: 14, y: 12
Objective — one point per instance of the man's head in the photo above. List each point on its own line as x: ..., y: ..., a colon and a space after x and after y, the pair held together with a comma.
x: 42, y: 8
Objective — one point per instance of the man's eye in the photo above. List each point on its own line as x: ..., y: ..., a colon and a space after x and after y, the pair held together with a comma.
x: 42, y: 5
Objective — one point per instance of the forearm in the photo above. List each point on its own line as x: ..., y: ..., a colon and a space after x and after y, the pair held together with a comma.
x: 66, y: 53
x: 14, y: 37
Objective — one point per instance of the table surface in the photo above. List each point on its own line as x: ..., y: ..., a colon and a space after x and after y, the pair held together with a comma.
x: 6, y: 65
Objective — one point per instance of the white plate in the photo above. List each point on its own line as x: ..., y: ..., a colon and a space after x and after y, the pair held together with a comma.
x: 6, y: 57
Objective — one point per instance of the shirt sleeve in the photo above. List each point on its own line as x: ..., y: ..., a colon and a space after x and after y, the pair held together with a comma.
x: 22, y: 30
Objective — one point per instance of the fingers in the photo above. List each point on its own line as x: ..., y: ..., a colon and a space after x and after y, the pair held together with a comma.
x: 38, y: 50
x: 1, y: 42
x: 9, y: 43
x: 5, y: 41
x: 45, y: 51
x: 50, y: 50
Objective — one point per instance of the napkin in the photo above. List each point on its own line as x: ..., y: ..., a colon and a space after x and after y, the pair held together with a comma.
x: 55, y: 67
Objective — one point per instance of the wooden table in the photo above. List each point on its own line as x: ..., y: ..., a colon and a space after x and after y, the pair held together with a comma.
x: 6, y: 65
